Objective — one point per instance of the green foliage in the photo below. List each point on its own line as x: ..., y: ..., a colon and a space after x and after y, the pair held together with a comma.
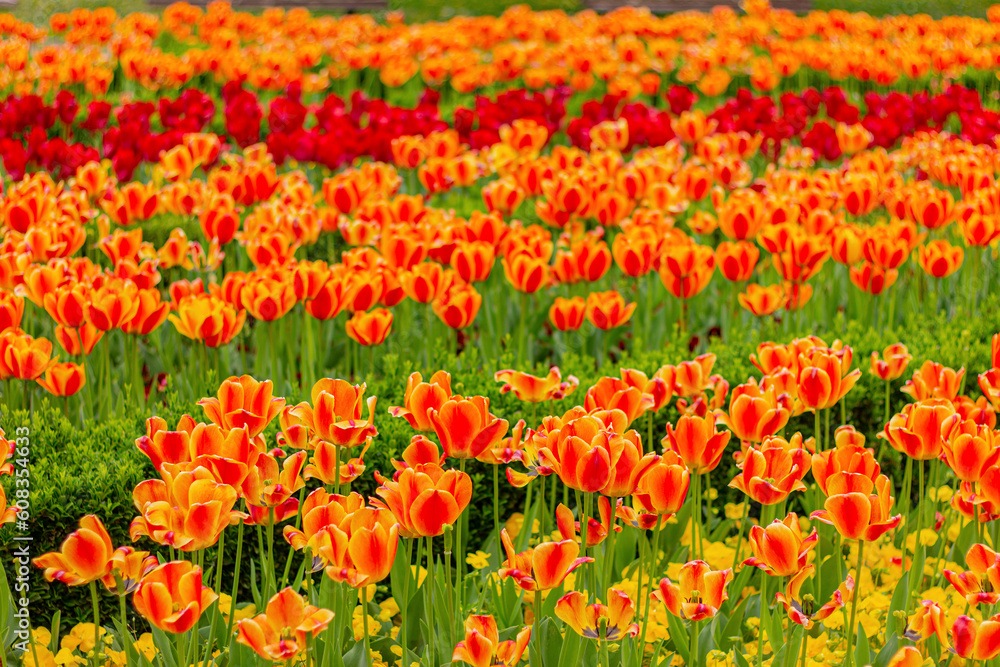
x: 94, y: 469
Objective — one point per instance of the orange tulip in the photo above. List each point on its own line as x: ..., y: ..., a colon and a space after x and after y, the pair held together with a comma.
x: 207, y: 318
x: 849, y: 460
x: 770, y: 473
x: 281, y: 632
x: 482, y: 646
x: 611, y: 622
x: 756, y: 411
x: 856, y: 512
x: 916, y: 431
x: 892, y: 365
x: 607, y: 310
x: 543, y: 568
x: 611, y: 393
x: 662, y: 487
x: 473, y: 261
x: 929, y: 620
x: 762, y: 301
x: 187, y: 509
x: 425, y: 499
x: 567, y: 314
x: 802, y: 610
x: 908, y: 656
x: 824, y: 378
x: 458, y: 305
x: 525, y: 272
x: 736, y: 261
x: 780, y: 548
x: 22, y: 356
x: 940, y: 259
x: 969, y: 448
x: 131, y: 567
x: 686, y: 269
x: 151, y: 313
x: 85, y: 555
x: 466, y: 428
x: 660, y: 387
x: 422, y: 397
x: 989, y: 383
x: 934, y: 380
x: 534, y: 389
x: 364, y: 554
x: 172, y: 597
x: 976, y: 640
x: 698, y: 595
x: 336, y: 413
x: 64, y: 379
x: 697, y: 442
x: 424, y: 282
x: 633, y: 254
x: 243, y: 402
x: 11, y: 310
x: 370, y: 328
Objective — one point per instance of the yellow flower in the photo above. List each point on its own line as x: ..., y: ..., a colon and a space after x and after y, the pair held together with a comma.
x: 389, y: 609
x: 478, y: 560
x: 734, y: 511
x: 45, y: 657
x: 513, y: 524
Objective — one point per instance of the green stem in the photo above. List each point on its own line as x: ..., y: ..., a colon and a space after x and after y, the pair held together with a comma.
x: 739, y: 533
x: 536, y: 636
x: 95, y: 603
x: 496, y: 515
x: 405, y: 602
x: 763, y: 618
x: 235, y: 588
x: 429, y: 598
x: 694, y: 643
x: 522, y: 331
x: 854, y: 604
x: 609, y: 550
x: 654, y: 555
x: 364, y: 625
x: 126, y: 644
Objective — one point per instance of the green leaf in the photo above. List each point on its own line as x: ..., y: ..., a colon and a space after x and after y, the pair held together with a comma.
x: 739, y: 583
x: 706, y: 636
x: 740, y: 659
x: 164, y: 646
x: 356, y: 656
x: 732, y: 627
x: 569, y: 652
x: 900, y: 598
x: 680, y: 636
x: 54, y: 632
x: 862, y: 652
x: 888, y: 651
x: 552, y: 640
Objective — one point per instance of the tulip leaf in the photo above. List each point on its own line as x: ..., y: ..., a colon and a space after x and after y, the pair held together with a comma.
x: 552, y: 641
x: 888, y: 651
x: 900, y: 598
x: 54, y: 632
x: 569, y: 652
x: 164, y: 646
x: 706, y: 636
x: 253, y: 586
x: 862, y: 652
x: 356, y: 656
x: 733, y: 626
x: 625, y: 551
x: 739, y: 583
x: 680, y: 636
x: 775, y: 629
x: 741, y: 660
x: 965, y: 539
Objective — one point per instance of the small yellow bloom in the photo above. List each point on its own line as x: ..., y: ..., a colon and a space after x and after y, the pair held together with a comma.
x: 734, y: 511
x: 478, y: 560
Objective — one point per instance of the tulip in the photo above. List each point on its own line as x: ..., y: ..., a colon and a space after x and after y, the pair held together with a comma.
x: 908, y: 656
x: 855, y: 511
x: 928, y: 620
x: 11, y: 310
x: 803, y: 611
x: 458, y: 306
x: 611, y: 393
x: 370, y: 328
x: 697, y: 442
x: 892, y: 365
x: 543, y: 568
x: 426, y: 499
x: 974, y: 640
x: 473, y: 261
x: 849, y: 460
x: 85, y: 556
x: 824, y: 378
x: 525, y: 272
x: 336, y: 413
x: 243, y: 402
x: 762, y: 301
x: 364, y: 554
x: 567, y: 314
x: 208, y: 319
x: 281, y: 632
x: 662, y: 487
x: 934, y: 380
x: 770, y: 473
x: 466, y: 428
x: 989, y: 382
x: 698, y: 595
x: 736, y: 261
x: 608, y: 310
x: 939, y: 259
x: 916, y: 431
x: 129, y: 567
x: 172, y: 597
x: 969, y: 448
x: 756, y: 412
x: 534, y: 389
x: 423, y: 282
x: 482, y: 646
x: 611, y: 622
x: 780, y: 549
x: 64, y: 379
x: 24, y: 357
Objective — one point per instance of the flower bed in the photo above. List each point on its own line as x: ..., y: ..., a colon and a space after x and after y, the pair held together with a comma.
x: 542, y: 337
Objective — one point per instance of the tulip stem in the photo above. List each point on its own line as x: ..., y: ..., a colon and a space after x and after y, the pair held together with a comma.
x: 708, y: 509
x: 95, y: 603
x: 525, y: 534
x: 522, y: 331
x: 588, y: 501
x: 429, y: 598
x: 739, y: 533
x: 364, y: 625
x: 916, y: 576
x: 694, y: 643
x: 907, y: 481
x: 541, y: 503
x: 496, y: 514
x: 763, y: 618
x: 404, y: 604
x: 609, y: 549
x: 460, y: 534
x: 235, y: 588
x: 697, y: 544
x: 536, y: 636
x: 218, y: 602
x: 854, y: 603
x: 654, y: 553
